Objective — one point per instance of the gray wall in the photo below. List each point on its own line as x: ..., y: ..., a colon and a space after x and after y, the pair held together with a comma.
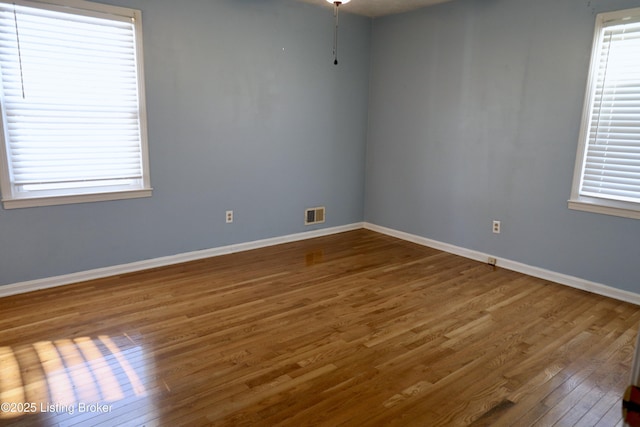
x: 247, y: 112
x: 473, y: 109
x: 474, y: 113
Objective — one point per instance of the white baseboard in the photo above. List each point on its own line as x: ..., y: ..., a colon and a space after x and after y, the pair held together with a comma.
x: 99, y: 273
x: 574, y: 282
x: 563, y: 279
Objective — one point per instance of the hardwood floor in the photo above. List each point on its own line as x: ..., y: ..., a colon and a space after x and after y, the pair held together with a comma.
x: 355, y: 329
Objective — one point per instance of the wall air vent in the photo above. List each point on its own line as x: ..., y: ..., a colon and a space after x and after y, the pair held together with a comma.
x: 314, y: 216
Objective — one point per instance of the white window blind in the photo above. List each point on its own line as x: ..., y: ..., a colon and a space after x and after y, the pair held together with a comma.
x: 72, y: 116
x: 610, y: 162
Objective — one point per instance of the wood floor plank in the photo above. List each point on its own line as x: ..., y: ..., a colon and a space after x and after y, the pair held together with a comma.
x: 356, y: 328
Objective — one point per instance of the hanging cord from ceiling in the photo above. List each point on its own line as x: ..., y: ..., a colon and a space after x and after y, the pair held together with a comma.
x: 336, y: 13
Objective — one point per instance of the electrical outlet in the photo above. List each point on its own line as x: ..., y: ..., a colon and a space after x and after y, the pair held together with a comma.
x: 496, y: 227
x: 229, y: 217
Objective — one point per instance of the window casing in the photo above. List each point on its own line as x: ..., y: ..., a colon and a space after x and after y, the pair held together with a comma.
x: 73, y: 103
x: 607, y: 172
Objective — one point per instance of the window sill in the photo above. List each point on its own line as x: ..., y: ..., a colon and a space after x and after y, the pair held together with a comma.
x: 606, y: 207
x: 77, y: 198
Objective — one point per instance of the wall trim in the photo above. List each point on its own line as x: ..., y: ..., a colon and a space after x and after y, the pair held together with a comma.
x: 99, y: 273
x: 563, y: 279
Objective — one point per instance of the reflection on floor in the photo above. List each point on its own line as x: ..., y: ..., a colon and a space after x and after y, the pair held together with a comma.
x: 356, y: 329
x: 72, y: 380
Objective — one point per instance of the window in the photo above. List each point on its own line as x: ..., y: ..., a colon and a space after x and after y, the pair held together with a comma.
x: 72, y: 99
x: 607, y: 173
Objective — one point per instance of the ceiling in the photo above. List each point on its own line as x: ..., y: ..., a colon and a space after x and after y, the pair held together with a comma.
x: 375, y: 8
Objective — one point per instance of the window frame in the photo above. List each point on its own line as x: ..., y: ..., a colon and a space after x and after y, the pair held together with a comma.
x: 578, y: 201
x: 12, y: 199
